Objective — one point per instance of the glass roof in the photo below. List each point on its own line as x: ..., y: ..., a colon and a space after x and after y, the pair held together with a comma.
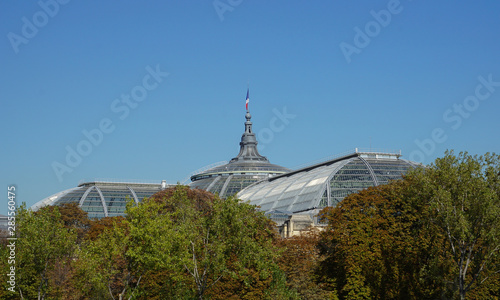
x: 324, y: 184
x: 226, y: 185
x: 102, y: 199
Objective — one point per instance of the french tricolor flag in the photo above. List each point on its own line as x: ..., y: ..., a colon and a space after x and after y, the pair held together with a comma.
x: 248, y: 99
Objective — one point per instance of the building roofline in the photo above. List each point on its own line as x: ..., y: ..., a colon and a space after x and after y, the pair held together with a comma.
x: 356, y: 152
x: 111, y: 182
x: 237, y: 172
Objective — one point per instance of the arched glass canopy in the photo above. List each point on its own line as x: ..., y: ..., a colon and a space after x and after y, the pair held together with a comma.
x: 325, y: 184
x: 102, y: 199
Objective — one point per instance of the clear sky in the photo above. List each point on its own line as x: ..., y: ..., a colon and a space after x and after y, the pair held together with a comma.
x: 85, y: 92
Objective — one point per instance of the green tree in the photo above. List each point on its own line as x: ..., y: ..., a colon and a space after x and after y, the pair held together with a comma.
x: 199, y: 239
x: 155, y: 246
x: 464, y: 192
x: 102, y: 270
x: 73, y: 217
x: 43, y: 240
x: 59, y: 275
x: 435, y: 234
x: 378, y: 246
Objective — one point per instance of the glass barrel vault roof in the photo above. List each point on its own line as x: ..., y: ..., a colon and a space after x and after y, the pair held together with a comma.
x: 327, y: 183
x: 102, y: 199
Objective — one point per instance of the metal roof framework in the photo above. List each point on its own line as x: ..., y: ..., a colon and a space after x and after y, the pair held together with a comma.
x: 320, y: 185
x: 102, y: 199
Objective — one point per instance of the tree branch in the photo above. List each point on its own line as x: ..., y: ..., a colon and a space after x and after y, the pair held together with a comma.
x: 110, y: 292
x: 136, y: 286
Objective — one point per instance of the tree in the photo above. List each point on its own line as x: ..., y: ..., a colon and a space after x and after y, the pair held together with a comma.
x: 102, y: 269
x: 99, y: 226
x: 197, y: 239
x: 434, y: 234
x: 59, y: 275
x: 299, y: 261
x: 43, y: 240
x: 464, y: 192
x: 378, y: 245
x: 73, y: 217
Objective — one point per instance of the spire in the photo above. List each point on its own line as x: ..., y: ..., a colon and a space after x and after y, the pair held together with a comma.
x: 248, y: 144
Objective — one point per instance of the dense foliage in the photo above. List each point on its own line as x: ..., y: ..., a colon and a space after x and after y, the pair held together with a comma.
x: 435, y: 234
x: 178, y: 244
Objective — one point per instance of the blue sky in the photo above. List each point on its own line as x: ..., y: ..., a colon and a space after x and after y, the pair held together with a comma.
x: 324, y: 77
